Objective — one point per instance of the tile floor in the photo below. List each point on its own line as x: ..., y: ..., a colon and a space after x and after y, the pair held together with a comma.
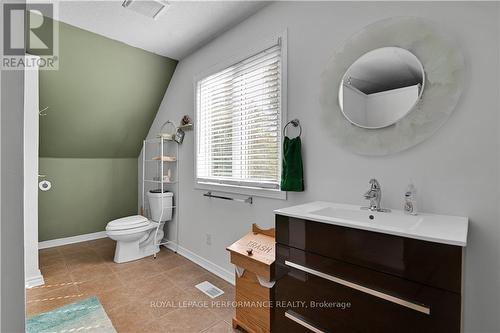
x: 147, y: 295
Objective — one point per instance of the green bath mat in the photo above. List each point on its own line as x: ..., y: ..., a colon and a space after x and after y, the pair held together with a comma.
x: 87, y: 316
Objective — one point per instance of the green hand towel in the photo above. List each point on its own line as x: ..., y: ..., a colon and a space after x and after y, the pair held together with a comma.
x: 292, y: 178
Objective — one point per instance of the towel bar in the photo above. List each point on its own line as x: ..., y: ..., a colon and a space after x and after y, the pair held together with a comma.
x: 209, y: 194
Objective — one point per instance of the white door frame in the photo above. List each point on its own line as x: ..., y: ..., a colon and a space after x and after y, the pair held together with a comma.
x: 32, y: 274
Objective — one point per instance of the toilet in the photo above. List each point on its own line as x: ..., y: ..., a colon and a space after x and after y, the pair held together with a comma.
x: 135, y: 235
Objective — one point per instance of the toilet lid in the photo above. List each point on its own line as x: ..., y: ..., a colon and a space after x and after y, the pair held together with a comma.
x: 129, y: 222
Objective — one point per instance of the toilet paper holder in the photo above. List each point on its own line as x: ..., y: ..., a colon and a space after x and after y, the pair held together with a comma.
x: 44, y: 185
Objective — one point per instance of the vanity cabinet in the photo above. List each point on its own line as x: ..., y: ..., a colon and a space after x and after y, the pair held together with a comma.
x: 332, y: 278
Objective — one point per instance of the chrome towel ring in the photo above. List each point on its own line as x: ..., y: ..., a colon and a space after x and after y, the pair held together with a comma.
x: 294, y: 122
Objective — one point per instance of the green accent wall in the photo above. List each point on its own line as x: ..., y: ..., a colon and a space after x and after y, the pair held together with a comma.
x: 103, y: 99
x: 101, y: 103
x: 86, y: 193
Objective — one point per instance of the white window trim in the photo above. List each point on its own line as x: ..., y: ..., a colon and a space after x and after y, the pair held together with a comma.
x: 256, y: 48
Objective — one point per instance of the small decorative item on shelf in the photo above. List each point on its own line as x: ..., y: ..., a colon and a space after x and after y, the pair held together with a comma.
x: 167, y: 135
x: 179, y: 136
x: 186, y: 123
x: 165, y: 158
x: 166, y: 179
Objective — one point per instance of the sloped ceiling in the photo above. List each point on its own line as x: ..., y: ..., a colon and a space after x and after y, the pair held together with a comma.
x: 113, y: 71
x: 385, y: 69
x: 102, y: 100
x: 182, y: 28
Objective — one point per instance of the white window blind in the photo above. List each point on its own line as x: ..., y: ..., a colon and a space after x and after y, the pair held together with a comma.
x: 239, y: 122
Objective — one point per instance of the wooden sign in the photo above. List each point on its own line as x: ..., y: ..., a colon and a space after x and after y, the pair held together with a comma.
x: 255, y: 252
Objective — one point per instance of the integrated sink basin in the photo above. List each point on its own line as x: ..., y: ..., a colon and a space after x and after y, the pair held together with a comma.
x: 430, y: 227
x: 358, y: 215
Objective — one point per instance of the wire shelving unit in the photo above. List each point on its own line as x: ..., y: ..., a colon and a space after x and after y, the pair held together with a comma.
x: 155, y: 178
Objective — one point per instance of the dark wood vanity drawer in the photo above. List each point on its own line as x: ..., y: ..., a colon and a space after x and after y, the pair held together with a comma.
x: 433, y: 264
x: 379, y: 302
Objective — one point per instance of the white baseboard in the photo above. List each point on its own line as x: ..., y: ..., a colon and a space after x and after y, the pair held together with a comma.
x: 71, y: 240
x: 34, y: 281
x: 200, y: 261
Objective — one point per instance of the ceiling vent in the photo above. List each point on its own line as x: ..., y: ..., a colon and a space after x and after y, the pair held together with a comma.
x: 149, y: 8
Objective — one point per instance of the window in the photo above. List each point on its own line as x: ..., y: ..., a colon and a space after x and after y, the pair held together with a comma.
x: 239, y: 123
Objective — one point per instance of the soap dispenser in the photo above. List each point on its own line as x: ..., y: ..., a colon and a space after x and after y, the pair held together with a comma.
x: 410, y: 200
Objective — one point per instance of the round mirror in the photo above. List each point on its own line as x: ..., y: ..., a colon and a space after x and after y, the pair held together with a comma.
x: 381, y: 87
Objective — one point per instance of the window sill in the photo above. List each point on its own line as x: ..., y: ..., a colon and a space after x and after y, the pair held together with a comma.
x: 251, y: 191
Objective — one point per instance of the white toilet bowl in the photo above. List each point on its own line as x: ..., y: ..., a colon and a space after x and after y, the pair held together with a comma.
x: 135, y: 237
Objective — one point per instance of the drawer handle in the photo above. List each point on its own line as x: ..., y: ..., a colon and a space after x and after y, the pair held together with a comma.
x: 298, y: 319
x: 393, y: 299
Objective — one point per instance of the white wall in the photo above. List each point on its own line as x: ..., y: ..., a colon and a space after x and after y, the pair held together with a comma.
x: 398, y: 101
x: 456, y: 171
x: 372, y: 110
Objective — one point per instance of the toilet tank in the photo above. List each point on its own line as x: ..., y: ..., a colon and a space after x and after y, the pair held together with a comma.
x: 160, y: 205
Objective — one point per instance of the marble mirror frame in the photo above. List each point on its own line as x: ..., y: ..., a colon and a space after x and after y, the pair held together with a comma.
x: 444, y: 68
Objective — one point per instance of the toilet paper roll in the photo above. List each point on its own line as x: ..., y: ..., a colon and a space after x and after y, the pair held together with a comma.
x: 44, y: 185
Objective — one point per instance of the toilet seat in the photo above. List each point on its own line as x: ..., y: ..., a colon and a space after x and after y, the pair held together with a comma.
x: 150, y: 225
x: 129, y: 222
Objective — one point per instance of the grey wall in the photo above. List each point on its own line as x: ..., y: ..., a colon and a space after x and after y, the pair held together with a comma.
x: 11, y: 194
x: 456, y: 171
x: 12, y: 232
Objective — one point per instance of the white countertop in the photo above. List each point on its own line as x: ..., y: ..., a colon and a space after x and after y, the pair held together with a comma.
x: 442, y: 229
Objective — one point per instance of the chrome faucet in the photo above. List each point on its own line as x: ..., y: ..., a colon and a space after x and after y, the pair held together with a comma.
x: 374, y: 194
